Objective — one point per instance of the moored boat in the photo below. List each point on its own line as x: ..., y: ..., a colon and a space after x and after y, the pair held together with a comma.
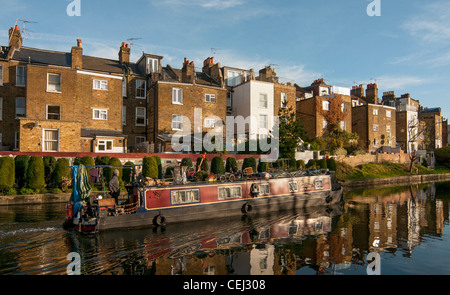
x: 163, y: 203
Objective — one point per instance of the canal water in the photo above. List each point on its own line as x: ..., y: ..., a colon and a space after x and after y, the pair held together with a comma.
x: 407, y: 227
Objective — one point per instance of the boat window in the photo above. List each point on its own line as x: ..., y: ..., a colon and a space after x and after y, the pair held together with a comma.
x: 318, y: 184
x: 231, y: 192
x: 293, y: 187
x: 185, y: 196
x: 264, y: 189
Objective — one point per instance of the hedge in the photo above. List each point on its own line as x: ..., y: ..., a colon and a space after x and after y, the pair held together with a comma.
x: 127, y: 171
x: 7, y: 174
x: 49, y: 166
x: 61, y: 172
x: 249, y: 162
x: 21, y: 166
x: 263, y: 166
x: 150, y: 167
x: 331, y: 164
x: 217, y: 166
x: 187, y: 162
x: 36, y: 173
x: 231, y: 165
x: 204, y: 166
x: 108, y: 172
x: 159, y: 165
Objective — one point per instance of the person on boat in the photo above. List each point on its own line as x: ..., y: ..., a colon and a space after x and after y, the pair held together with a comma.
x: 114, y: 186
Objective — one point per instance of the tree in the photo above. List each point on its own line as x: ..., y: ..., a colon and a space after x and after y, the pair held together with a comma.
x: 7, y: 176
x: 187, y: 162
x: 217, y: 166
x: 291, y: 132
x: 249, y: 162
x: 61, y: 173
x: 159, y: 165
x: 49, y: 166
x: 35, y: 173
x: 21, y: 167
x: 231, y: 165
x: 150, y: 167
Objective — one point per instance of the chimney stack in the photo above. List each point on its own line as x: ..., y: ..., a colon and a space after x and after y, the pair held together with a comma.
x: 188, y: 72
x: 15, y: 40
x: 124, y: 53
x: 357, y: 91
x: 372, y: 93
x: 267, y: 74
x: 77, y: 55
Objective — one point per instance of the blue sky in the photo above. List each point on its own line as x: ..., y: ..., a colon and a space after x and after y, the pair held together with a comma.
x: 406, y: 49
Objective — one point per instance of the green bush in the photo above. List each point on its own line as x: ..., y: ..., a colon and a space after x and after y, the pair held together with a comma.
x: 205, y: 166
x: 49, y: 166
x: 331, y: 164
x: 217, y: 166
x: 201, y: 175
x: 249, y: 162
x: 150, y: 167
x: 7, y: 174
x: 443, y: 156
x: 231, y: 165
x: 36, y: 173
x: 311, y: 164
x: 263, y: 166
x: 61, y: 172
x: 187, y: 162
x: 322, y: 163
x: 21, y: 166
x: 159, y: 165
x: 127, y: 171
x: 293, y: 163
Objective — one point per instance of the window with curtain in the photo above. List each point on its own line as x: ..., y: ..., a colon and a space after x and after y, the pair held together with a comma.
x: 51, y: 140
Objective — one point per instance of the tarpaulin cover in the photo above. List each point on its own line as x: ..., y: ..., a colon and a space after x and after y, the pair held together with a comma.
x: 81, y: 187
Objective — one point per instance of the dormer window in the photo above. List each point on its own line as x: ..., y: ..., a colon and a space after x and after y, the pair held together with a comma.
x: 152, y: 65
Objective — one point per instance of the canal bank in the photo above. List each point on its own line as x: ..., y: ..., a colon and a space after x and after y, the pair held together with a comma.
x: 352, y: 184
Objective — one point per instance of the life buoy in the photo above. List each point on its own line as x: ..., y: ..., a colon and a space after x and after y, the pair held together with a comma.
x: 254, y: 190
x: 232, y: 178
x: 159, y: 220
x: 246, y: 208
x: 222, y: 178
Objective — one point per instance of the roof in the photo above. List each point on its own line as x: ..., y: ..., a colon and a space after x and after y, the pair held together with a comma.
x: 64, y: 59
x: 174, y: 75
x: 101, y: 132
x: 431, y: 110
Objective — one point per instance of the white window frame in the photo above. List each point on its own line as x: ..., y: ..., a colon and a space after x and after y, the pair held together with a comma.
x: 283, y: 100
x: 180, y: 122
x: 325, y: 105
x: 139, y: 84
x: 388, y: 128
x: 210, y: 98
x: 266, y: 123
x: 234, y: 78
x: 318, y: 184
x: 375, y: 127
x: 102, y: 114
x: 139, y: 116
x: 98, y: 84
x: 229, y: 192
x: 375, y: 112
x: 47, y: 112
x: 105, y: 142
x: 190, y: 196
x: 343, y: 125
x: 263, y: 100
x: 24, y: 76
x: 124, y: 115
x: 264, y: 189
x: 388, y: 114
x: 124, y: 88
x: 293, y: 186
x: 177, y: 96
x: 44, y: 140
x: 152, y: 65
x: 56, y: 90
x: 210, y: 123
x: 25, y: 107
x: 17, y: 140
x: 325, y: 123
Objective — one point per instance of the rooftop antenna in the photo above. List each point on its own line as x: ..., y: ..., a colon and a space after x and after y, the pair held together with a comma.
x: 214, y: 51
x: 374, y: 79
x: 134, y: 39
x: 24, y: 30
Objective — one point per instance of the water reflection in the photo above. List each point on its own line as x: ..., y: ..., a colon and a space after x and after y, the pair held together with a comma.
x: 406, y: 225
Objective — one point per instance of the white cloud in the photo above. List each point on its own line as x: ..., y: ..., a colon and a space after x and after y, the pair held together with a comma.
x: 390, y: 82
x: 211, y: 4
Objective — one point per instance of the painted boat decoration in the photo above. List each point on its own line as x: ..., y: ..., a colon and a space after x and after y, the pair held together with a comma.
x: 164, y: 203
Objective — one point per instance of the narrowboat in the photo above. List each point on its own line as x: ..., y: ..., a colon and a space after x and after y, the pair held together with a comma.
x: 163, y: 203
